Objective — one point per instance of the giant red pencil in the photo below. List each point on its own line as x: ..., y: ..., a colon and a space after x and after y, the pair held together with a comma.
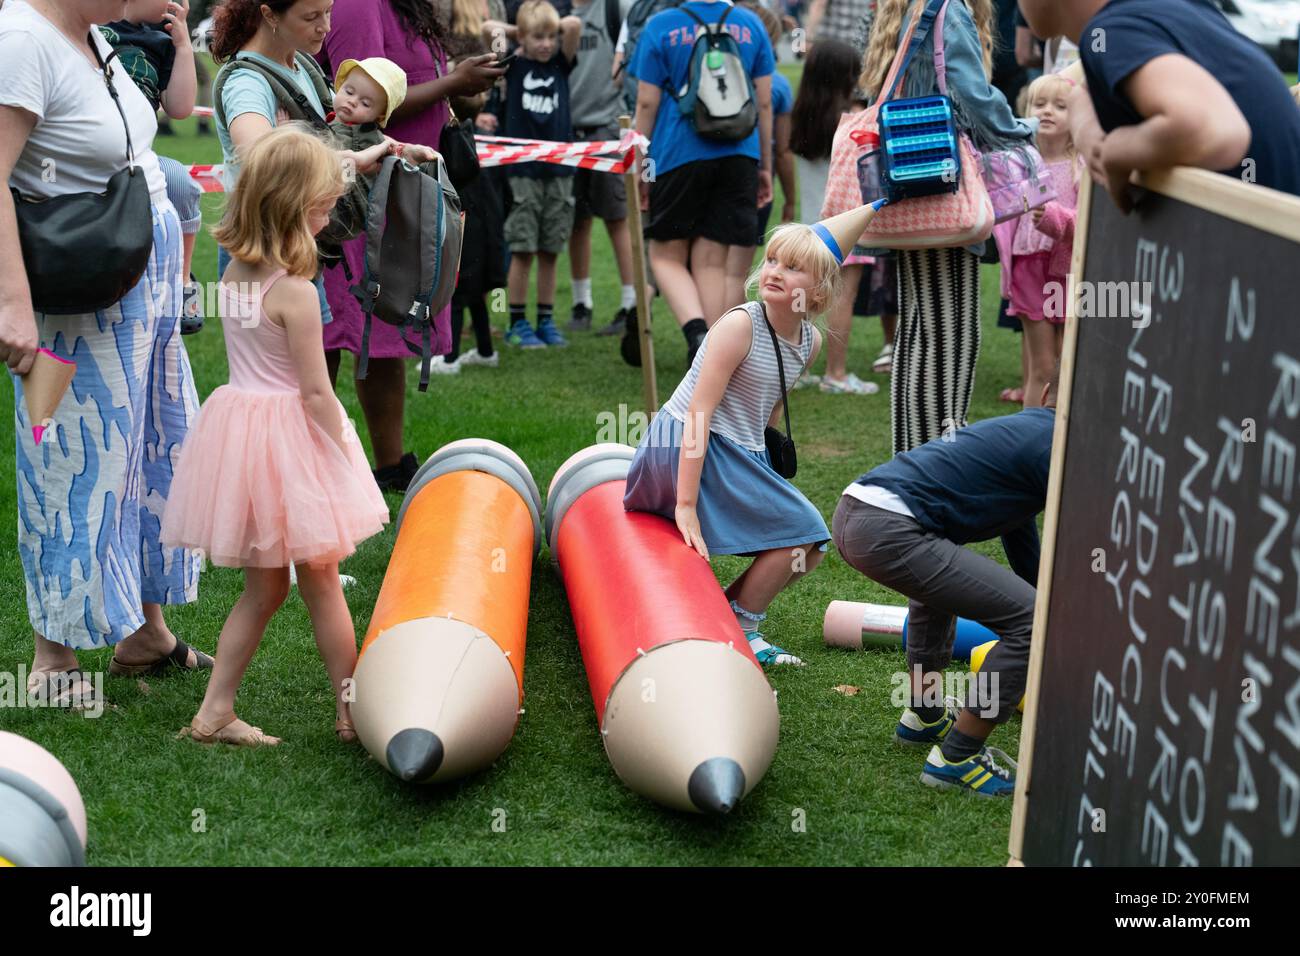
x: 687, y: 717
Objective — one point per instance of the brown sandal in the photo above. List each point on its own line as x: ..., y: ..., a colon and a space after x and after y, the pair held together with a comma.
x: 227, y: 732
x: 178, y: 658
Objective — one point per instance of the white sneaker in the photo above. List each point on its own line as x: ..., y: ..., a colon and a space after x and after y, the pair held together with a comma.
x: 440, y: 366
x: 345, y: 580
x: 473, y: 358
x: 848, y: 385
x: 884, y: 362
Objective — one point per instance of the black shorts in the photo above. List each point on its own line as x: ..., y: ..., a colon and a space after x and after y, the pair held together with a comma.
x: 713, y: 199
x: 598, y: 195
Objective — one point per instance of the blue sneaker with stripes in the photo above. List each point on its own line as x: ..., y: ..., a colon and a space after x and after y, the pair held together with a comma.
x: 912, y: 731
x: 990, y: 773
x: 521, y: 335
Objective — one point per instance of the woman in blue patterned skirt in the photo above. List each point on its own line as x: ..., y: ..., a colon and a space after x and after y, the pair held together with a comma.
x: 91, y: 494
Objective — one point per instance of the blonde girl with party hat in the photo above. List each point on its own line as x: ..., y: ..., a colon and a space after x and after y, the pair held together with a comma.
x: 703, y: 462
x: 272, y: 475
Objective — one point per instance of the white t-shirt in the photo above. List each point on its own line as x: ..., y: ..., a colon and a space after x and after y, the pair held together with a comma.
x: 78, y: 142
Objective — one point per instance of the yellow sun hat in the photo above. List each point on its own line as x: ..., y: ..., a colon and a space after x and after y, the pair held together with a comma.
x: 390, y: 77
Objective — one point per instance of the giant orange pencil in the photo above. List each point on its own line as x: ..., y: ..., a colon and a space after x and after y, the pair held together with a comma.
x: 687, y: 717
x: 440, y: 679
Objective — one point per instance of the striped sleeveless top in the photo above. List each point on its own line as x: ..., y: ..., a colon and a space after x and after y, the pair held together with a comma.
x: 755, y: 386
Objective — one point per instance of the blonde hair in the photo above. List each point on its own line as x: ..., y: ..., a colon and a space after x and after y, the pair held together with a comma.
x: 467, y: 17
x: 1049, y: 84
x: 798, y: 247
x: 283, y: 175
x: 535, y: 16
x: 888, y: 26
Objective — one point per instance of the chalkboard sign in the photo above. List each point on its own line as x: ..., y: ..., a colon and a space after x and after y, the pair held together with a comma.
x: 1162, y: 722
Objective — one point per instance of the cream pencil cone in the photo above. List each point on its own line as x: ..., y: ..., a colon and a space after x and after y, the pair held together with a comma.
x: 841, y: 233
x: 44, y: 387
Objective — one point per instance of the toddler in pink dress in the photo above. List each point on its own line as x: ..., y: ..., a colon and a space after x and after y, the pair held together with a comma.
x: 272, y: 473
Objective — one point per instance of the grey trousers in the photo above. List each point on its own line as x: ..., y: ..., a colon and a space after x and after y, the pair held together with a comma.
x: 942, y: 581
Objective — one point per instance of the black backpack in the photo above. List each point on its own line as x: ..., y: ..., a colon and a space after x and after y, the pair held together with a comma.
x: 414, y: 229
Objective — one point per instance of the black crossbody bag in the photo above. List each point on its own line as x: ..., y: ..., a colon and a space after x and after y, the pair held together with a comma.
x: 780, y: 447
x: 456, y: 142
x: 84, y: 251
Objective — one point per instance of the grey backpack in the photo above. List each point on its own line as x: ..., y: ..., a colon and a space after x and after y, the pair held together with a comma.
x: 718, y: 98
x: 414, y: 226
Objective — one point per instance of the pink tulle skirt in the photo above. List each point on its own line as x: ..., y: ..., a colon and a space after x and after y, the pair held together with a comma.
x: 259, y: 484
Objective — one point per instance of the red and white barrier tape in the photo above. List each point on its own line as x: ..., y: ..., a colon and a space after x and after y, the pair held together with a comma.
x: 508, y: 151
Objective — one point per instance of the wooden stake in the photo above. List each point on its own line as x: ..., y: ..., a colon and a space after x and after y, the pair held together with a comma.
x: 650, y: 389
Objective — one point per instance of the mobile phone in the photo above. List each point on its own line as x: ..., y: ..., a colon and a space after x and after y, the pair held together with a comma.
x: 504, y: 61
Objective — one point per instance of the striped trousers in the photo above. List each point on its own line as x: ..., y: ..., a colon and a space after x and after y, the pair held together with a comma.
x: 937, y: 344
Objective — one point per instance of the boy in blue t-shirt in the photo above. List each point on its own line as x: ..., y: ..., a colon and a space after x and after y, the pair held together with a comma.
x: 539, y: 223
x: 704, y: 195
x: 1169, y: 85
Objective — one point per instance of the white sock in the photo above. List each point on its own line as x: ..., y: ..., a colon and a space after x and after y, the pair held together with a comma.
x: 629, y: 297
x: 582, y: 292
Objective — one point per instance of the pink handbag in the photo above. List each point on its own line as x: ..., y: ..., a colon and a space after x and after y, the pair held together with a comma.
x: 928, y: 222
x: 1017, y: 182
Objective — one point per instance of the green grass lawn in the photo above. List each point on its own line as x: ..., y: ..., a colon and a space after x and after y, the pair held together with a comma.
x: 155, y: 800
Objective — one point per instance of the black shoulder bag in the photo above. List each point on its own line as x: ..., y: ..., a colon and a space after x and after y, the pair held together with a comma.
x: 456, y: 143
x: 780, y: 447
x: 84, y: 251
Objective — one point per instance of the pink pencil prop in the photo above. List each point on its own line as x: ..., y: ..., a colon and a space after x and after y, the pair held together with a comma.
x: 44, y: 387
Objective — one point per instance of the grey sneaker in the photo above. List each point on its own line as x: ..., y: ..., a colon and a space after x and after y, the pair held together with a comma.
x: 580, y: 320
x: 619, y: 325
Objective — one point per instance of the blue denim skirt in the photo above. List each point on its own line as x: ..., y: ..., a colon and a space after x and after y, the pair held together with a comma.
x: 744, y: 506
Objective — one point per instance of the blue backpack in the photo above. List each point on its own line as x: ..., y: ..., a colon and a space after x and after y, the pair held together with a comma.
x: 718, y: 98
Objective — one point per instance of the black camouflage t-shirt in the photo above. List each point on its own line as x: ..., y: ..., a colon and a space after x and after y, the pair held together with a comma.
x: 146, y: 53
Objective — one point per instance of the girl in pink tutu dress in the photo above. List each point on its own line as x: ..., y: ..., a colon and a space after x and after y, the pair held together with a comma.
x: 272, y: 474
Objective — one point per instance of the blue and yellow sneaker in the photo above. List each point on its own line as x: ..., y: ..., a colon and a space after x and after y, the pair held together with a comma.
x: 987, y: 774
x: 521, y: 335
x: 549, y: 334
x: 912, y: 731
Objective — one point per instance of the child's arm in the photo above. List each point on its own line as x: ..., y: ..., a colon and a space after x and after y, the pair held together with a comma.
x: 763, y: 97
x: 1191, y: 120
x: 784, y: 165
x: 647, y: 108
x: 498, y: 36
x: 295, y: 303
x: 182, y: 88
x: 1055, y: 220
x: 570, y: 34
x: 729, y: 342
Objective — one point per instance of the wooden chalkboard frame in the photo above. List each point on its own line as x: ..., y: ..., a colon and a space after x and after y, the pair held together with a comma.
x: 1259, y: 207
